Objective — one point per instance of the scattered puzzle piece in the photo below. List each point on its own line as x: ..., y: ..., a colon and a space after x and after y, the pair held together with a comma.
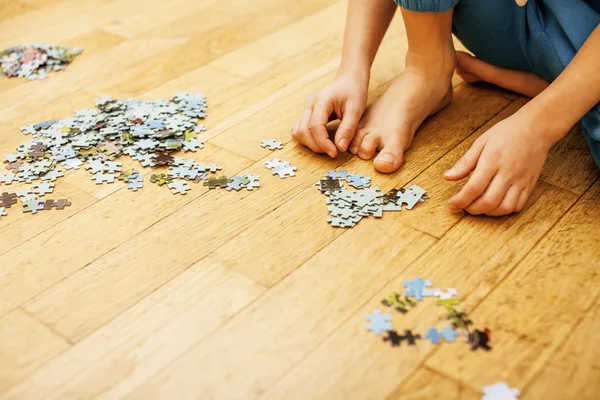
x: 221, y: 182
x: 500, y: 391
x: 400, y: 304
x: 480, y: 339
x: 284, y: 172
x: 8, y: 199
x: 59, y: 204
x: 379, y: 322
x: 272, y: 144
x: 179, y: 186
x: 3, y: 212
x: 417, y: 288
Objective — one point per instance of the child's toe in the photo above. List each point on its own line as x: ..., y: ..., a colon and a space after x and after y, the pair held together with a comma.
x: 389, y: 159
x: 368, y: 147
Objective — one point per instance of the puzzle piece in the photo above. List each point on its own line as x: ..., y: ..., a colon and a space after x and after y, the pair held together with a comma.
x: 448, y: 294
x: 3, y: 212
x: 7, y: 179
x: 284, y: 172
x: 459, y: 319
x: 358, y: 181
x: 272, y: 144
x: 379, y: 322
x: 344, y: 222
x: 251, y: 182
x: 221, y: 182
x: 433, y: 335
x: 448, y: 303
x: 449, y: 334
x: 208, y: 167
x: 163, y: 159
x: 160, y: 179
x: 400, y: 304
x: 277, y: 163
x: 193, y: 144
x: 33, y: 206
x: 71, y: 163
x: 411, y: 196
x: 395, y: 339
x: 53, y: 175
x: 417, y: 288
x: 179, y: 186
x: 342, y: 174
x: 480, y: 339
x: 101, y: 178
x: 329, y: 184
x: 235, y: 183
x: 136, y: 182
x: 500, y: 391
x: 59, y: 204
x: 43, y: 188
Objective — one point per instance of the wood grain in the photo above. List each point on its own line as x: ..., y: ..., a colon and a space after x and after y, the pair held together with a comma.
x: 252, y: 294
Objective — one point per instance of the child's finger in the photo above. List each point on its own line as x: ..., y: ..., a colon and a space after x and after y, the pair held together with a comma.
x: 491, y: 198
x: 467, y: 162
x: 347, y: 128
x: 318, y: 127
x: 302, y: 131
x: 508, y: 204
x: 476, y: 186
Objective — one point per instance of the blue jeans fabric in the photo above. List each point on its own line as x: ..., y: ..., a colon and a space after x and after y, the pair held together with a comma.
x: 542, y: 37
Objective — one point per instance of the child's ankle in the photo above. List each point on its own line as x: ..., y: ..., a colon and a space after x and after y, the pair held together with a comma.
x: 439, y: 65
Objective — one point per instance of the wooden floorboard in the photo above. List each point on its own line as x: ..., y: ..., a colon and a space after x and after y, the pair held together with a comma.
x: 222, y: 295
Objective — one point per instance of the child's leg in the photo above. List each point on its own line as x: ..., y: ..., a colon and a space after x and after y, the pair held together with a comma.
x: 390, y: 123
x: 472, y: 70
x: 525, y: 48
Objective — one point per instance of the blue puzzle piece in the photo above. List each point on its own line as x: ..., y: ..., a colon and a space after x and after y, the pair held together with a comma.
x: 44, y: 125
x: 379, y: 322
x: 449, y: 334
x: 417, y: 288
x: 433, y: 335
x: 154, y: 124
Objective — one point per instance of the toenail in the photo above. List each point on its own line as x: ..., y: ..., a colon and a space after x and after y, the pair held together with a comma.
x: 343, y: 143
x: 387, y: 158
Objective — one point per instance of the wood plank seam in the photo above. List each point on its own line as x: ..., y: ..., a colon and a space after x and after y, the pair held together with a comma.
x: 556, y: 352
x: 50, y: 328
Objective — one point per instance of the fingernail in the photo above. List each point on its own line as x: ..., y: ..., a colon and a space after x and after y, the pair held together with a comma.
x: 354, y: 149
x: 331, y: 154
x: 343, y: 143
x: 448, y: 173
x: 388, y: 158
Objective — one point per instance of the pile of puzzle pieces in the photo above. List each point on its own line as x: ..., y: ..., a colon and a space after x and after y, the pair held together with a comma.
x: 348, y: 207
x: 147, y: 131
x: 34, y: 61
x: 415, y: 291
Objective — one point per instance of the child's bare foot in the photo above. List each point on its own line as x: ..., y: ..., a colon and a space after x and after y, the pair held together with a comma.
x: 472, y: 70
x: 389, y: 124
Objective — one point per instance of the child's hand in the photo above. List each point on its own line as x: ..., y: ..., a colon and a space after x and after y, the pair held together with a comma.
x: 508, y: 160
x: 346, y: 99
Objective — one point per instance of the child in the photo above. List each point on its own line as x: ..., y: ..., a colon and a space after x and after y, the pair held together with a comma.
x: 547, y: 49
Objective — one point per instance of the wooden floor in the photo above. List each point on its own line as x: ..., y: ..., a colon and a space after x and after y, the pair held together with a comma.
x: 246, y: 295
